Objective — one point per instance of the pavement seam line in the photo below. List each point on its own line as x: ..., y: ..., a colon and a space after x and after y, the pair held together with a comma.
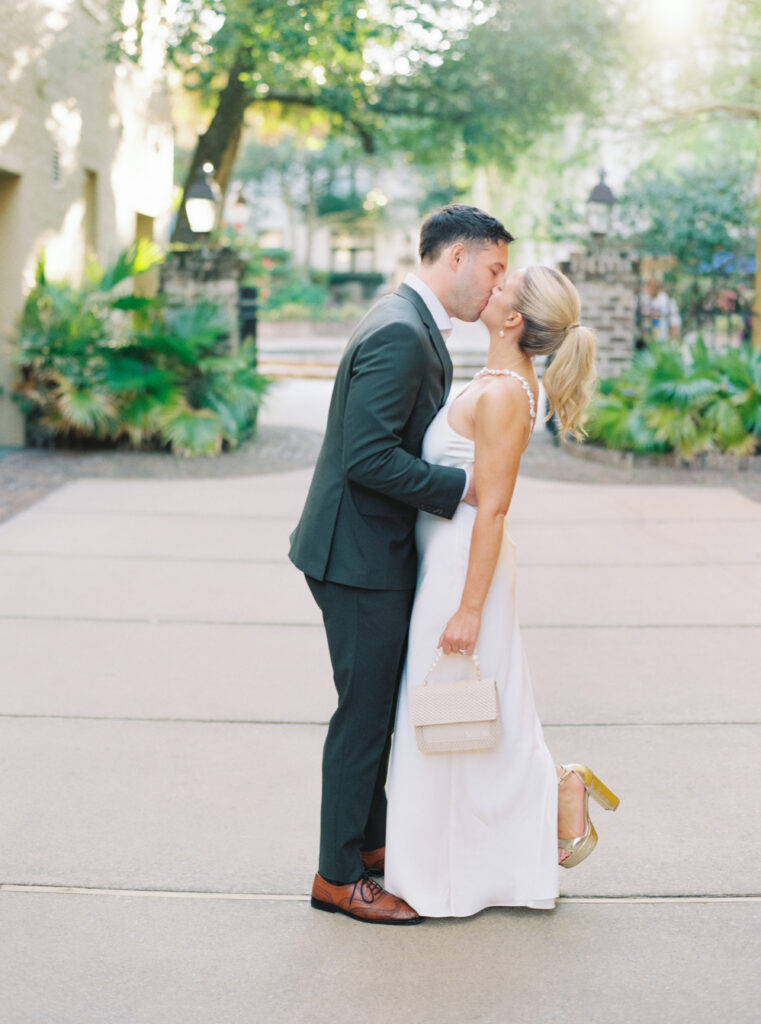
x: 641, y: 520
x: 117, y: 620
x: 260, y: 897
x: 325, y: 723
x: 95, y: 556
x: 257, y: 517
x: 16, y: 616
x: 236, y: 560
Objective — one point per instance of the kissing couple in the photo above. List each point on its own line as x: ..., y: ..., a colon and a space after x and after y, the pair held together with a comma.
x: 404, y: 545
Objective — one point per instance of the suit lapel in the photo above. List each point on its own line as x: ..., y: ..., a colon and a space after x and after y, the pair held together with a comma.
x: 434, y: 333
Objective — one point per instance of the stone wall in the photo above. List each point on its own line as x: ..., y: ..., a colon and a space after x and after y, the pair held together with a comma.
x: 607, y: 281
x: 188, y: 276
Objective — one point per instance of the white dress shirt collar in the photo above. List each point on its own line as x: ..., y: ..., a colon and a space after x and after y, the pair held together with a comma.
x: 440, y: 316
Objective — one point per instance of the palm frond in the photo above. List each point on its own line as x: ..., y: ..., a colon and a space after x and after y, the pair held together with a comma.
x: 676, y: 428
x: 85, y: 411
x: 192, y: 431
x: 140, y: 418
x: 684, y: 392
x: 127, y: 373
x: 724, y: 420
x: 139, y: 258
x: 743, y: 446
x: 201, y: 326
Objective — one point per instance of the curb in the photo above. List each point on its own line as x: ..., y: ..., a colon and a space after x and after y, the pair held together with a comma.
x: 670, y: 460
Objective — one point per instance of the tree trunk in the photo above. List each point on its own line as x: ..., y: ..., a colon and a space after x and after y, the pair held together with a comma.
x: 218, y: 145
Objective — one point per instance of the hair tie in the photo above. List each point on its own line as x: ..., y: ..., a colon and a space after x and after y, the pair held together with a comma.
x: 571, y: 326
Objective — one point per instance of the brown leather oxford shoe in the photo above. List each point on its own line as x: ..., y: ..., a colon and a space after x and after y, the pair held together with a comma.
x: 363, y: 900
x: 374, y: 861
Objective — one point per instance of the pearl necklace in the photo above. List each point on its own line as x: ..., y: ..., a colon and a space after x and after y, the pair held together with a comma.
x: 488, y: 371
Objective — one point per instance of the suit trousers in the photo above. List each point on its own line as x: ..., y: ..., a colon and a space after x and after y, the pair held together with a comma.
x: 367, y: 640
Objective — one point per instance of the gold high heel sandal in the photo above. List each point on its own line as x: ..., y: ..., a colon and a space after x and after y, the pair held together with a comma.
x: 581, y: 846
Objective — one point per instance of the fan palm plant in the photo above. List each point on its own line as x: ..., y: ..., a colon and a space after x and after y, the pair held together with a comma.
x: 112, y: 368
x: 686, y: 400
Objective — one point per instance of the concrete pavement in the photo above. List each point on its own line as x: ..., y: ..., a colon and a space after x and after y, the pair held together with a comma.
x: 163, y: 696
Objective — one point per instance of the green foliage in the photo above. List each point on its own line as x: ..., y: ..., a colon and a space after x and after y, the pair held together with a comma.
x: 280, y: 46
x: 482, y: 79
x: 330, y: 202
x: 697, y: 211
x: 284, y: 290
x: 305, y: 166
x: 297, y: 289
x: 693, y: 212
x: 102, y: 366
x: 686, y: 400
x: 513, y: 71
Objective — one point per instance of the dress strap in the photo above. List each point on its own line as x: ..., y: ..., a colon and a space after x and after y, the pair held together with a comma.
x: 486, y: 372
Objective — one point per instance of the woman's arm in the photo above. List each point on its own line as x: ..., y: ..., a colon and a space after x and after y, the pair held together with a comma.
x: 501, y: 430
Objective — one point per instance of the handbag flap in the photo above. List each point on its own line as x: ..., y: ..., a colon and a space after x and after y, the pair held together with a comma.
x: 468, y: 700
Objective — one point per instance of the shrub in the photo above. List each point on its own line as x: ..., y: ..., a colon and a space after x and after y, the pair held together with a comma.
x: 295, y: 289
x: 684, y: 400
x: 102, y: 367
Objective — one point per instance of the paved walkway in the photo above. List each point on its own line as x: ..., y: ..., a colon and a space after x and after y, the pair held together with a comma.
x: 289, y: 438
x: 163, y: 696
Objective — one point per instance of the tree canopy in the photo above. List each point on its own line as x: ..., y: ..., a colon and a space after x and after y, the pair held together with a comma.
x: 693, y: 213
x: 436, y: 78
x: 503, y: 81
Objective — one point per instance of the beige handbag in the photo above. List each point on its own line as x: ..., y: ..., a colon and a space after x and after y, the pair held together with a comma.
x: 463, y: 715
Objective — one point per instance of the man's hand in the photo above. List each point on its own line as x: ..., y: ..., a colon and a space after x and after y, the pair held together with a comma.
x: 470, y: 495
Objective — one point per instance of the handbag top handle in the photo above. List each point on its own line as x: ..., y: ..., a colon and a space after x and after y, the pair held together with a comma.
x: 437, y: 659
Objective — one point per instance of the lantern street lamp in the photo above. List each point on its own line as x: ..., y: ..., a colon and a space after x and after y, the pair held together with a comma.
x: 202, y: 201
x: 600, y: 203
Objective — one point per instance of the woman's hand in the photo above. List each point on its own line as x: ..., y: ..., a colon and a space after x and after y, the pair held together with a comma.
x: 461, y: 633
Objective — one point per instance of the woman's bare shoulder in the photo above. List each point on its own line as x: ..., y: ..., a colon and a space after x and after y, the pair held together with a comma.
x: 506, y: 398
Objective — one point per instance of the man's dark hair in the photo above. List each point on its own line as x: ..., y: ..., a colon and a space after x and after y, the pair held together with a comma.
x: 458, y: 223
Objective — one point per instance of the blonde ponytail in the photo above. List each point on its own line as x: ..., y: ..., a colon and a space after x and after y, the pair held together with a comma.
x: 549, y: 305
x: 569, y: 378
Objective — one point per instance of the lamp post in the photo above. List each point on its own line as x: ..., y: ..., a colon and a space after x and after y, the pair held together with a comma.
x: 600, y: 203
x: 202, y: 202
x: 196, y: 271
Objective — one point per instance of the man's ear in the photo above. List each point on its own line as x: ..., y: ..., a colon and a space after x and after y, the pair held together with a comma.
x: 456, y: 255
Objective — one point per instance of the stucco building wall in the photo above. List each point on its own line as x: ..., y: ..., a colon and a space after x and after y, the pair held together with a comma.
x: 86, y: 151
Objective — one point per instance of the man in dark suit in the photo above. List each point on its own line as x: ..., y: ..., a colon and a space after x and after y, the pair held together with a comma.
x: 355, y: 539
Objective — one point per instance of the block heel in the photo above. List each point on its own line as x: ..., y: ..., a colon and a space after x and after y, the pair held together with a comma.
x: 581, y: 846
x: 595, y: 787
x: 605, y: 797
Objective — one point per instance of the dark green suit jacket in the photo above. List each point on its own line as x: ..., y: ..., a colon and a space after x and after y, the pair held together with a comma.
x: 358, y: 523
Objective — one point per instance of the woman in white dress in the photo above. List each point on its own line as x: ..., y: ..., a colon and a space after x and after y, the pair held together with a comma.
x: 472, y: 830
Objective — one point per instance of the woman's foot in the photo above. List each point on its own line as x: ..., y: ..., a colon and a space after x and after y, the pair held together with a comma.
x: 571, y: 816
x: 576, y: 833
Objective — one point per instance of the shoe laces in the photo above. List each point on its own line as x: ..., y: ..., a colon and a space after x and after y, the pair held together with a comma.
x: 369, y: 889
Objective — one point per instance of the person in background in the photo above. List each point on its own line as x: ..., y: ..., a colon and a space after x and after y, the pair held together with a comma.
x: 660, y: 314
